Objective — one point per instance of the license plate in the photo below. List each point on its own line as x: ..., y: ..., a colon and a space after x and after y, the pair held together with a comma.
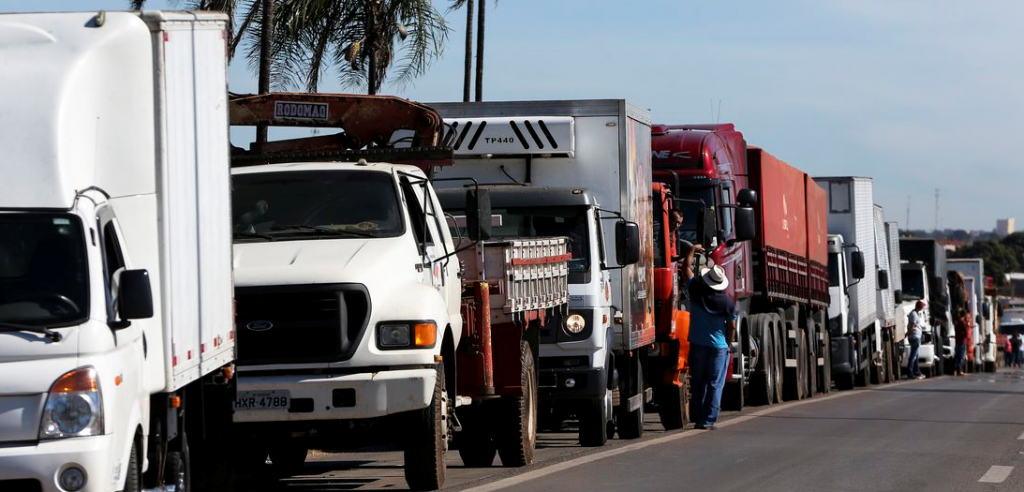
x: 262, y: 400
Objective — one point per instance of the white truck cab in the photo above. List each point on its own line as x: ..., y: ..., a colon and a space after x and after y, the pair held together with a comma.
x: 916, y: 288
x: 348, y: 303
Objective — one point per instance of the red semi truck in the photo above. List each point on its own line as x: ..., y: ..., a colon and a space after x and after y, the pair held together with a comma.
x: 777, y: 269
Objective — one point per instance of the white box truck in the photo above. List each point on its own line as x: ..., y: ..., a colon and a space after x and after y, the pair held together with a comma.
x: 885, y: 344
x: 115, y: 251
x: 853, y: 326
x: 581, y: 169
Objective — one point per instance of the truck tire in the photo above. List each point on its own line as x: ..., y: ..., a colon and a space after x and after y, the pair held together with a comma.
x: 594, y: 424
x: 845, y: 382
x: 476, y: 448
x: 516, y: 431
x: 674, y: 404
x: 631, y: 423
x: 427, y: 443
x: 779, y: 363
x: 133, y: 473
x: 762, y: 382
x: 179, y: 466
x: 288, y: 457
x: 811, y: 367
x: 990, y: 366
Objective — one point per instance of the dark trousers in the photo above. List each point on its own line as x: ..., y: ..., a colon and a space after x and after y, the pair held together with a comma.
x: 707, y: 379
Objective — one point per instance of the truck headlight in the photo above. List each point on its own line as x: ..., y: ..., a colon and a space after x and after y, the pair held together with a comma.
x: 406, y: 334
x: 74, y: 407
x: 575, y: 324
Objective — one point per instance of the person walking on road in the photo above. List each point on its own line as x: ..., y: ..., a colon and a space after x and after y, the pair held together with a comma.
x: 960, y: 330
x: 712, y: 327
x: 1017, y: 343
x: 916, y: 322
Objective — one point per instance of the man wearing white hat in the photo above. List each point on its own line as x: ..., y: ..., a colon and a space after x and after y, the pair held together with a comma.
x: 712, y: 327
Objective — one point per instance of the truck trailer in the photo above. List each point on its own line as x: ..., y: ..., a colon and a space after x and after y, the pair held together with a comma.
x: 762, y: 220
x: 578, y: 168
x: 115, y: 252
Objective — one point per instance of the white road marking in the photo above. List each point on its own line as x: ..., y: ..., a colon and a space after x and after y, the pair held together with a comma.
x: 565, y: 465
x: 996, y: 474
x: 1021, y: 438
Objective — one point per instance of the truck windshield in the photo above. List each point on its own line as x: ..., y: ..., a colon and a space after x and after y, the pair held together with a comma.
x: 691, y: 210
x: 570, y: 222
x: 295, y: 205
x: 913, y: 284
x: 833, y: 269
x: 44, y: 274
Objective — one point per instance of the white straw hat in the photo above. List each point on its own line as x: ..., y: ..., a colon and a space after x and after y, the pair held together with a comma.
x: 714, y: 277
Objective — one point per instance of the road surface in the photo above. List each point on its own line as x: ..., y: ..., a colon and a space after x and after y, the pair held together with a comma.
x: 955, y: 434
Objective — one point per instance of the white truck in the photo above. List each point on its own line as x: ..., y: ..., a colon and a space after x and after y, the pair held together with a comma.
x: 973, y: 270
x: 581, y: 169
x: 916, y: 287
x: 887, y: 358
x: 361, y: 317
x: 116, y: 326
x: 853, y: 316
x: 899, y: 334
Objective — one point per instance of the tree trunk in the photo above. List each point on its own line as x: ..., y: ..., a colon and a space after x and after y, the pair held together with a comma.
x: 266, y: 56
x: 467, y: 81
x: 480, y: 51
x: 371, y: 44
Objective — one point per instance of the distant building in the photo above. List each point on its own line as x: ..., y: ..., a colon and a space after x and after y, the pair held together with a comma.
x: 1016, y: 281
x: 1005, y: 227
x: 950, y: 245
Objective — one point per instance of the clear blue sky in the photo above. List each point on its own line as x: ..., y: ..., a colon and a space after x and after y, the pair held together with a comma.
x: 919, y: 94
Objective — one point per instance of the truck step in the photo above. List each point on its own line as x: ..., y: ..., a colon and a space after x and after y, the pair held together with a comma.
x: 462, y: 401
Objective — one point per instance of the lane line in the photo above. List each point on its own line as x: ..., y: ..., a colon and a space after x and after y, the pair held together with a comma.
x: 996, y: 474
x: 565, y: 465
x: 1021, y: 438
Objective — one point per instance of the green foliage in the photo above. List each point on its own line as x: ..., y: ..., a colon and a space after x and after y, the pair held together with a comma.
x: 1001, y: 257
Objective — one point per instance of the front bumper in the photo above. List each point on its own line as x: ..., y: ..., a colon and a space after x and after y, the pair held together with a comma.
x: 45, y: 460
x: 844, y: 360
x: 341, y: 397
x: 587, y: 384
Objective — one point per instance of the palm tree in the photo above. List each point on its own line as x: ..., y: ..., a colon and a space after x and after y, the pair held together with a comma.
x: 364, y: 40
x: 467, y: 80
x: 481, y: 22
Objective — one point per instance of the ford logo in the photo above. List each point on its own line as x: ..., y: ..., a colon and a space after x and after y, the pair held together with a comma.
x: 259, y: 325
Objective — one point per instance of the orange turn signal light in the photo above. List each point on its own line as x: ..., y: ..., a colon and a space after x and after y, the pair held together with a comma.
x: 83, y: 379
x: 424, y: 334
x: 175, y: 402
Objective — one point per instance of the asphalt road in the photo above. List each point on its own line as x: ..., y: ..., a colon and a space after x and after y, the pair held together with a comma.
x: 956, y: 434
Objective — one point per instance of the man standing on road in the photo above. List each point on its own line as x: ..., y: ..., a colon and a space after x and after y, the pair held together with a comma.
x: 960, y: 331
x: 916, y: 322
x: 712, y: 327
x: 1017, y: 342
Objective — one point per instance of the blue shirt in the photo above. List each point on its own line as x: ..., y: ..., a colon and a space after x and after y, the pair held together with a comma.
x: 708, y: 316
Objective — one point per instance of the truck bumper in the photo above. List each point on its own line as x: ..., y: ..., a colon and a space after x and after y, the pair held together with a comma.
x: 562, y: 385
x: 337, y: 397
x: 46, y: 460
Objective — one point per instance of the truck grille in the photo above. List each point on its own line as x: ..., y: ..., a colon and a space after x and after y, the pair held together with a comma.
x: 300, y: 323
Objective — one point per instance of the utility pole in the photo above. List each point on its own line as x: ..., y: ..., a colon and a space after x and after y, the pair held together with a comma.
x: 907, y: 223
x: 936, y: 210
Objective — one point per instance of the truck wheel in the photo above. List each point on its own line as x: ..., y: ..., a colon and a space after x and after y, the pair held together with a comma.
x: 594, y: 424
x: 779, y: 362
x: 631, y: 423
x: 845, y: 382
x: 732, y: 395
x: 673, y: 405
x: 179, y: 466
x: 133, y: 473
x: 288, y: 457
x: 516, y: 435
x: 762, y: 383
x: 427, y: 443
x: 863, y: 377
x: 990, y: 366
x: 811, y: 366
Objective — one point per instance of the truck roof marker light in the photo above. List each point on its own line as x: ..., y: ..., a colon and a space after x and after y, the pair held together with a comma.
x: 424, y: 335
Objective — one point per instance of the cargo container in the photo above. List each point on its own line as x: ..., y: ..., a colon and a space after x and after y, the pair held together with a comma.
x: 885, y: 345
x: 856, y: 340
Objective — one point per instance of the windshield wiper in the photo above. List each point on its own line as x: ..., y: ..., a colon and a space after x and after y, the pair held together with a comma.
x: 322, y: 229
x: 253, y: 235
x: 52, y: 335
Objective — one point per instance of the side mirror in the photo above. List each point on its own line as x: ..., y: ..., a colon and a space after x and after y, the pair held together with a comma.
x: 883, y: 279
x: 857, y: 264
x: 898, y: 296
x: 627, y: 243
x: 744, y: 223
x: 478, y: 214
x: 746, y: 198
x: 134, y: 295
